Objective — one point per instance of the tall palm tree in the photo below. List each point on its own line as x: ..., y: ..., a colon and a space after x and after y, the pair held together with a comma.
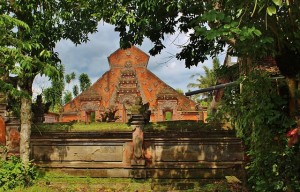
x: 207, y: 80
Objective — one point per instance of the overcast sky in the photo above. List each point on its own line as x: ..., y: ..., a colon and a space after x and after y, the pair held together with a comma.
x: 91, y: 58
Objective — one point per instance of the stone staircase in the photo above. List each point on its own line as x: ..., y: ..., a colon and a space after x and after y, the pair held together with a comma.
x: 137, y: 119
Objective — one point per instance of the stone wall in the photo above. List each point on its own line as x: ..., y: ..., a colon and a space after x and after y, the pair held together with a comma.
x: 203, y: 155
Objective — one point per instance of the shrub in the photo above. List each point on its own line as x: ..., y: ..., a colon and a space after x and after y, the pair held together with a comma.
x: 261, y: 121
x: 14, y: 173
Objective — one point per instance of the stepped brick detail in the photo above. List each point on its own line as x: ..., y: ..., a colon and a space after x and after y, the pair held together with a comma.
x: 127, y: 79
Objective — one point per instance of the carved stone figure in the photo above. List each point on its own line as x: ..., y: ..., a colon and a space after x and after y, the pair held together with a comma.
x: 38, y: 109
x: 138, y: 140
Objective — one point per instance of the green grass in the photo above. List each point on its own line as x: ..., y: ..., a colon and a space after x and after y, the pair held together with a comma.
x: 56, y: 181
x: 78, y: 127
x: 178, y: 126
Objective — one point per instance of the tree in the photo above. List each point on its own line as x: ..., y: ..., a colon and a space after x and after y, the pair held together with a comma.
x: 54, y: 93
x: 75, y: 90
x: 68, y: 94
x: 70, y: 77
x: 15, y: 60
x: 180, y: 91
x: 207, y: 80
x: 49, y: 22
x: 252, y: 30
x: 84, y: 82
x: 212, y: 25
x: 67, y: 97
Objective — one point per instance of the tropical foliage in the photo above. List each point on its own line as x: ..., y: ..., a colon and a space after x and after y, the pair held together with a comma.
x: 54, y: 93
x: 84, y: 82
x: 13, y: 173
x: 252, y: 30
x: 208, y: 79
x: 75, y: 90
x: 211, y: 26
x: 260, y: 118
x: 47, y: 23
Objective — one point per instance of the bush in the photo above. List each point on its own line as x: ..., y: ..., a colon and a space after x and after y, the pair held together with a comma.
x: 14, y: 173
x: 261, y: 121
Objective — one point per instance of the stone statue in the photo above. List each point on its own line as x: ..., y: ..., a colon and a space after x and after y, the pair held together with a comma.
x: 39, y: 108
x: 138, y: 140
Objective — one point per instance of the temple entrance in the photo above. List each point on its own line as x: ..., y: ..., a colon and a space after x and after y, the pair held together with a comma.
x: 168, y: 115
x: 90, y: 116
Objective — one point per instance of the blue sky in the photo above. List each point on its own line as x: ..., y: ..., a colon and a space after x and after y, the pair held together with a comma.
x: 91, y: 58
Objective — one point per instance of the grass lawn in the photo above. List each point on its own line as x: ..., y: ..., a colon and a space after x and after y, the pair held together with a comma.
x: 61, y: 182
x: 181, y: 126
x: 78, y: 127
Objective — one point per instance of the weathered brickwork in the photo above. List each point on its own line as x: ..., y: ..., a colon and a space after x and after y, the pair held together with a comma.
x: 9, y: 129
x: 128, y: 78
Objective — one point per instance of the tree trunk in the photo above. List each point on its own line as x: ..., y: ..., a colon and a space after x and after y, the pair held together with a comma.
x: 25, y: 129
x: 291, y: 82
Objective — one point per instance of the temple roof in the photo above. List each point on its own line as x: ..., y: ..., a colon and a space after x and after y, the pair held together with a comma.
x: 127, y: 58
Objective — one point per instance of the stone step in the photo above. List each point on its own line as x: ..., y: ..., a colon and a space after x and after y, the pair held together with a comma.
x: 36, y: 137
x: 137, y: 117
x: 158, y: 137
x: 145, y: 172
x: 167, y: 166
x: 137, y: 122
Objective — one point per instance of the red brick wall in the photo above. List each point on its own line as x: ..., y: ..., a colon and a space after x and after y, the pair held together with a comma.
x: 2, y: 132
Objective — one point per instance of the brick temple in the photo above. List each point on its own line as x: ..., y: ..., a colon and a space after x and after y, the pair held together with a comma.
x: 118, y: 88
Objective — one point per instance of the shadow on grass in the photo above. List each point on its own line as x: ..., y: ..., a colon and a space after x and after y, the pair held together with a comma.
x: 182, y: 126
x: 53, y: 127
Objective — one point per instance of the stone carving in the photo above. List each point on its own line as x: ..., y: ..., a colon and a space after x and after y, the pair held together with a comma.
x: 126, y: 99
x: 110, y: 114
x: 140, y: 109
x: 128, y: 64
x: 128, y: 85
x: 167, y: 104
x: 90, y: 95
x: 38, y: 109
x: 90, y: 106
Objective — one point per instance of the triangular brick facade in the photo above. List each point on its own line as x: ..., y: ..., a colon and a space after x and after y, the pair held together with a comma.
x: 128, y: 78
